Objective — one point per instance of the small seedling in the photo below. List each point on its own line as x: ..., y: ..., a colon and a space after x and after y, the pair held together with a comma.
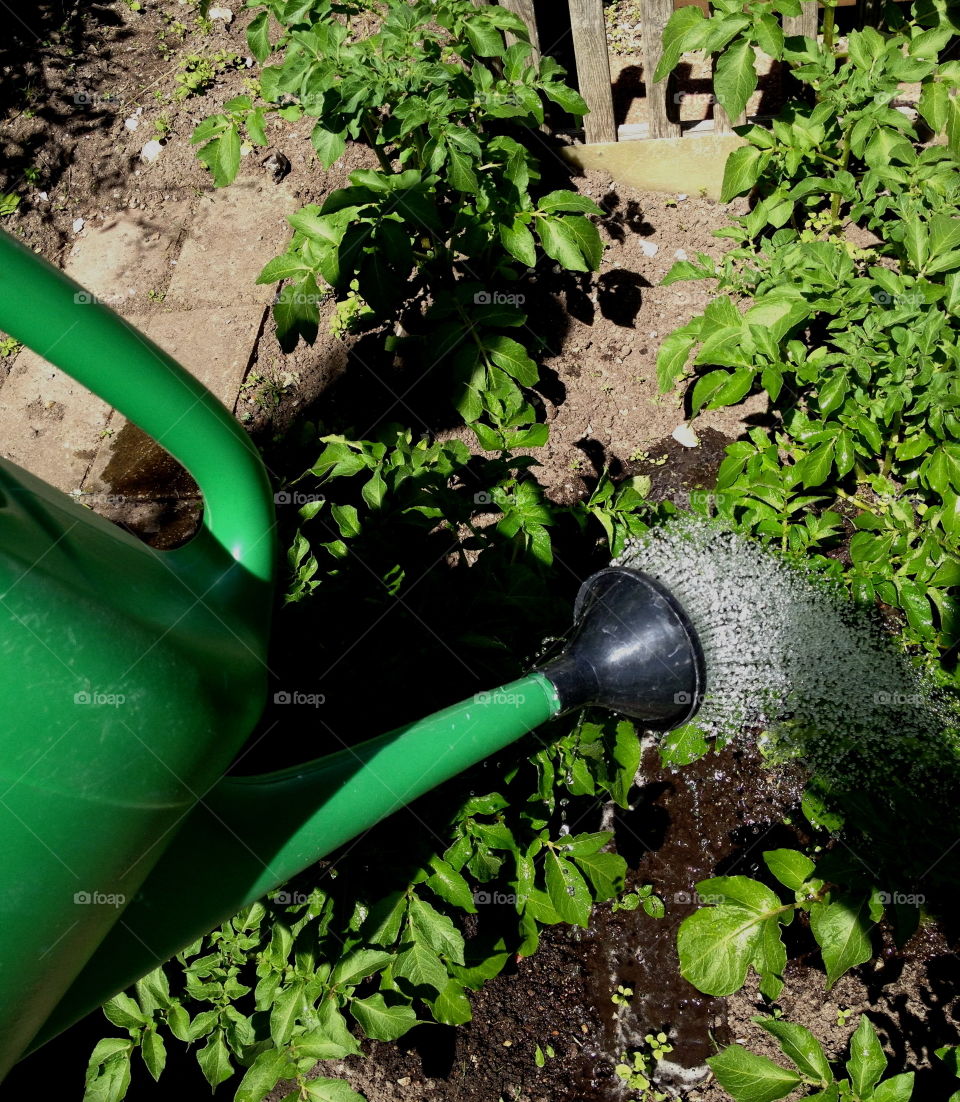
x: 9, y: 347
x: 156, y: 296
x: 9, y: 203
x: 541, y: 1055
x: 622, y: 995
x: 843, y: 1014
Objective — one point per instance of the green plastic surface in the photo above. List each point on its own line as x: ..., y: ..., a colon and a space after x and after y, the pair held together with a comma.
x: 130, y: 679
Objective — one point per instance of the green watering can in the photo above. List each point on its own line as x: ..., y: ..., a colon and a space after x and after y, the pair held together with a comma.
x: 131, y: 677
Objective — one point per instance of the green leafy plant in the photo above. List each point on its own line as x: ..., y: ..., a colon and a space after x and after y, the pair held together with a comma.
x: 198, y: 72
x: 852, y: 343
x: 748, y: 1077
x: 638, y: 1070
x: 451, y: 220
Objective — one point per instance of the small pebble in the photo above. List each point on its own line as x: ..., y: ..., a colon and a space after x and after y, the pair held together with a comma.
x: 78, y: 225
x: 133, y: 121
x: 681, y: 197
x: 151, y: 151
x: 225, y: 14
x: 648, y: 248
x: 681, y: 254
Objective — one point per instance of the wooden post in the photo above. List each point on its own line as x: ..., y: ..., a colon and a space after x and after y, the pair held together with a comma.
x: 804, y: 24
x: 654, y: 14
x: 593, y: 68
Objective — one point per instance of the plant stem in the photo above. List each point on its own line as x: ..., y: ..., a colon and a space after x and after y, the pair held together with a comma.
x: 829, y: 23
x: 372, y: 142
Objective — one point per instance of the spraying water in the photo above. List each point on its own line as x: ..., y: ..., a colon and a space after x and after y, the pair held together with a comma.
x: 788, y: 654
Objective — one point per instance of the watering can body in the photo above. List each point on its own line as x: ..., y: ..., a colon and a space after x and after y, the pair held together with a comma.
x: 130, y: 677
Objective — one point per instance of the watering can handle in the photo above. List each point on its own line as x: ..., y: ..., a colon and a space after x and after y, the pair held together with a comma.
x: 60, y: 321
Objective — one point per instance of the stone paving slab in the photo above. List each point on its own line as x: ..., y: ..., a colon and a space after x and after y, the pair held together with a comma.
x: 49, y: 424
x: 186, y: 279
x: 235, y: 231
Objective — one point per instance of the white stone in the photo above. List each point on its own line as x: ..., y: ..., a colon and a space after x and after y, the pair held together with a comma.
x: 224, y: 14
x: 133, y: 121
x: 151, y: 151
x: 681, y: 254
x: 685, y: 435
x: 78, y: 225
x: 648, y: 248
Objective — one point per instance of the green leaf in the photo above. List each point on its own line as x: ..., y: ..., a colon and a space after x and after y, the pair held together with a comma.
x: 899, y: 1088
x: 462, y: 176
x: 512, y: 357
x: 356, y: 966
x: 741, y: 171
x: 673, y: 354
x: 867, y: 1061
x: 934, y: 105
x: 842, y: 932
x: 800, y: 1046
x: 587, y: 237
x: 436, y: 929
x: 560, y: 242
x: 485, y: 40
x: 519, y: 242
x: 381, y: 1021
x: 721, y: 388
x: 681, y: 26
x: 328, y: 1090
x: 288, y: 266
x: 450, y: 886
x: 736, y: 77
x: 566, y: 98
x: 328, y: 144
x: 421, y: 966
x: 451, y: 1006
x: 288, y: 1008
x: 569, y: 202
x: 214, y: 1060
x: 221, y: 155
x: 790, y: 867
x: 107, y: 1081
x: 567, y: 890
x: 752, y: 1078
x: 154, y: 1052
x: 627, y: 753
x: 258, y: 37
x: 124, y: 1012
x: 717, y: 943
x: 683, y: 746
x: 264, y: 1073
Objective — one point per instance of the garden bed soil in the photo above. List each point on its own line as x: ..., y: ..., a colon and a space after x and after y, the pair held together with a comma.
x: 600, y: 337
